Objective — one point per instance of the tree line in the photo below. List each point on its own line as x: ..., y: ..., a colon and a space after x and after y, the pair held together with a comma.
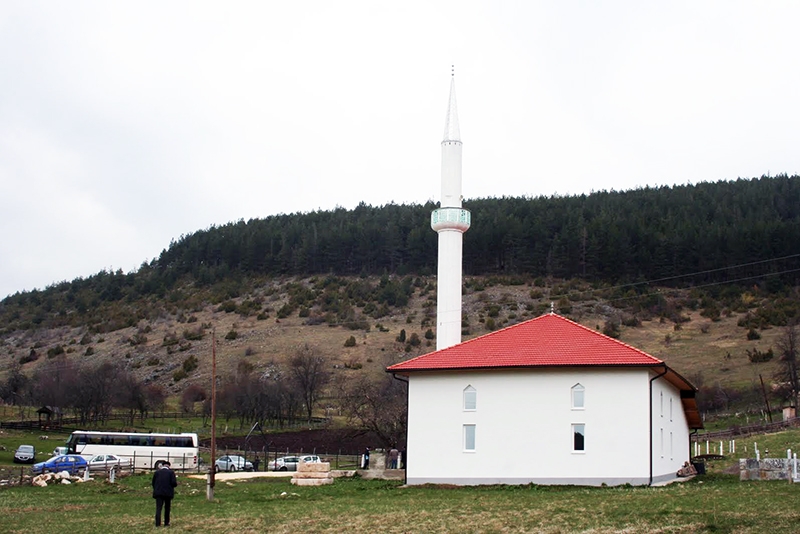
x: 724, y: 231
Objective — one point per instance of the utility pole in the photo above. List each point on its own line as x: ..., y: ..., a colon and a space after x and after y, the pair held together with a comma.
x: 211, y: 470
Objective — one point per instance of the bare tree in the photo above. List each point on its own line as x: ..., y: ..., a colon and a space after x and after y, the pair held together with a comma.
x: 788, y: 345
x: 380, y: 406
x: 308, y: 370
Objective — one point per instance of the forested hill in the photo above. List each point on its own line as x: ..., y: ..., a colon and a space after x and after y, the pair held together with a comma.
x: 643, y: 234
x: 646, y: 233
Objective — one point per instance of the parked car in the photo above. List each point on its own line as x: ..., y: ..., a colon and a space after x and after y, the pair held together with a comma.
x: 25, y: 454
x: 289, y: 463
x: 72, y: 463
x: 232, y: 463
x: 107, y: 461
x: 60, y: 450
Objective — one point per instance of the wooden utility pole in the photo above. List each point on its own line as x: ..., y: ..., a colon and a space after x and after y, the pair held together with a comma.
x: 211, y: 470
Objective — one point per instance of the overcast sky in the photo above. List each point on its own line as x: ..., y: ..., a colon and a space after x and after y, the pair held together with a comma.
x: 124, y: 125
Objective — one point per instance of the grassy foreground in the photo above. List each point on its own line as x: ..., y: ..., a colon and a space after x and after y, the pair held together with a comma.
x: 718, y: 503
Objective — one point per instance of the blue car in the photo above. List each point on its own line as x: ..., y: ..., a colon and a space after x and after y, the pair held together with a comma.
x: 73, y: 463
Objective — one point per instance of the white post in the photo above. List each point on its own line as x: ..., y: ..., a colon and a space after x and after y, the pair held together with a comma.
x: 788, y: 454
x: 112, y: 475
x: 86, y: 474
x: 758, y: 454
x: 794, y: 468
x: 721, y: 450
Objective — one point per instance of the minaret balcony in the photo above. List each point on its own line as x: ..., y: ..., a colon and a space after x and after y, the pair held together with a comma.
x: 451, y: 219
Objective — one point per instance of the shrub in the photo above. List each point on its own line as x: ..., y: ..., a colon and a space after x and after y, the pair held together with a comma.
x: 489, y: 324
x: 414, y: 340
x: 611, y: 329
x: 32, y: 356
x: 249, y: 351
x: 170, y: 339
x: 401, y: 338
x: 153, y: 361
x: 190, y: 364
x: 89, y: 351
x: 757, y: 356
x: 233, y: 334
x: 193, y: 334
x: 179, y: 375
x: 228, y: 306
x: 55, y: 351
x: 137, y: 339
x: 351, y: 342
x: 353, y: 363
x: 429, y: 334
x: 86, y: 339
x: 752, y: 335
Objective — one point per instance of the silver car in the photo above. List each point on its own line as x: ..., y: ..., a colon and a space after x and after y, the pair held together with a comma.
x: 232, y: 463
x: 289, y: 463
x: 25, y: 454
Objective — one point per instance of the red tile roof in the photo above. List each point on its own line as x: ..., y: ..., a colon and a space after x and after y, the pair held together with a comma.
x: 546, y: 341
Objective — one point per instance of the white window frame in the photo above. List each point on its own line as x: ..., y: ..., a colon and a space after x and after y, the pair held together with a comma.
x: 582, y: 390
x: 573, y: 428
x: 466, y: 429
x: 670, y: 409
x: 469, y: 390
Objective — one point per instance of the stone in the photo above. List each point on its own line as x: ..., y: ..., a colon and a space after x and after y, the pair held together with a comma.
x: 308, y: 467
x: 312, y: 481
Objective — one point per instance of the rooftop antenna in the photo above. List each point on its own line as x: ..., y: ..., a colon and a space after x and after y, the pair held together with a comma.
x: 552, y: 307
x: 453, y: 71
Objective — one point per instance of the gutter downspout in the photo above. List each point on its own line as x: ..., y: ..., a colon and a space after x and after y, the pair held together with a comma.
x: 692, y: 433
x: 405, y: 449
x: 651, y: 421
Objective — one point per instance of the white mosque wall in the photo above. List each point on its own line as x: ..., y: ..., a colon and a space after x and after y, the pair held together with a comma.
x: 523, y: 427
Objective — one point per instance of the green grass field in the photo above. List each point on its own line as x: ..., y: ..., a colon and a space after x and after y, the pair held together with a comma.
x: 718, y: 503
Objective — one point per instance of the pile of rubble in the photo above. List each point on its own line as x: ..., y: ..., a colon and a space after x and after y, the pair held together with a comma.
x: 57, y: 478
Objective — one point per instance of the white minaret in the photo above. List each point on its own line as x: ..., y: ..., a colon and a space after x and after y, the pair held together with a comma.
x: 450, y: 221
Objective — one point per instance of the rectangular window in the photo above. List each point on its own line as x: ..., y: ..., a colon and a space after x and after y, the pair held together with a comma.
x: 578, y: 433
x: 469, y: 437
x: 662, y: 442
x: 470, y: 399
x: 670, y: 409
x: 577, y: 397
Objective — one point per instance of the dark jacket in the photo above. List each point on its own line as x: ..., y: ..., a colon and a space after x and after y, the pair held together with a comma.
x: 164, y: 483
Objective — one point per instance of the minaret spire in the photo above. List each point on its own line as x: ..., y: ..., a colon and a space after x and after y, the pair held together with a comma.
x: 451, y: 131
x: 450, y: 221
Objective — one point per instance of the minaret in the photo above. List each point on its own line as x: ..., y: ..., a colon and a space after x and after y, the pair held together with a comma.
x: 450, y: 221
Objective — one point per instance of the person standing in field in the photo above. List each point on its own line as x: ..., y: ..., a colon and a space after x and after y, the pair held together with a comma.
x: 393, y: 455
x: 164, y: 482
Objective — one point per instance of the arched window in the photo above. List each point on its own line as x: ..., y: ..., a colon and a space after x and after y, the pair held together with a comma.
x: 578, y: 393
x: 470, y: 399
